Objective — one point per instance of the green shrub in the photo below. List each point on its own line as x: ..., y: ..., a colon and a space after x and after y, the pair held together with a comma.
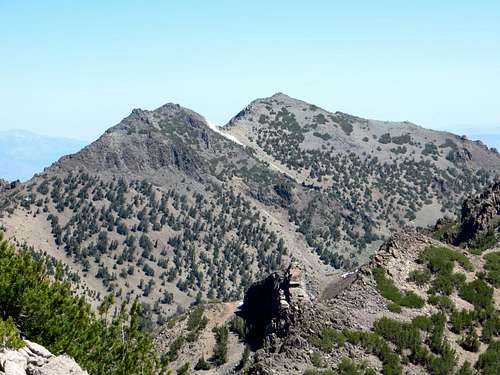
x: 466, y: 369
x: 46, y: 312
x: 394, y: 307
x: 202, y: 364
x: 491, y: 326
x: 478, y: 293
x: 436, y: 339
x: 460, y: 320
x: 376, y: 345
x: 183, y: 370
x: 316, y: 359
x: 196, y: 321
x: 349, y: 367
x: 489, y: 361
x: 402, y: 335
x: 238, y: 326
x: 446, y: 283
x: 320, y: 372
x: 220, y: 351
x: 483, y: 242
x: 445, y: 363
x: 470, y: 341
x: 245, y: 357
x: 446, y: 230
x: 328, y: 339
x: 420, y: 277
x: 9, y: 335
x: 388, y: 290
x: 422, y: 322
x: 385, y: 138
x: 441, y: 259
x: 444, y: 303
x: 323, y: 136
x: 493, y: 267
x: 176, y: 345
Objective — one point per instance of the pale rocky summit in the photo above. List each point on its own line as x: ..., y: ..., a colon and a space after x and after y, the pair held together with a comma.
x: 34, y: 359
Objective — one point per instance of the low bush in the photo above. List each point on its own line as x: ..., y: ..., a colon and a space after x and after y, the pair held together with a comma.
x: 394, y: 307
x: 478, y: 293
x: 10, y: 337
x: 420, y: 277
x: 328, y: 339
x: 220, y: 351
x: 442, y: 259
x: 489, y: 361
x: 388, y: 290
x: 470, y: 341
x: 493, y: 267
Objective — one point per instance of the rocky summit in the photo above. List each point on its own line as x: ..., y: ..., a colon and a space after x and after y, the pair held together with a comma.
x: 291, y: 232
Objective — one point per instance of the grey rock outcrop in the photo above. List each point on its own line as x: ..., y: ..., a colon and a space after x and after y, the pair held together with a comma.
x: 479, y: 214
x: 4, y: 185
x: 34, y: 359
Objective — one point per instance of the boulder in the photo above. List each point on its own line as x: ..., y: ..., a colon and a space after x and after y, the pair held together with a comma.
x: 34, y: 359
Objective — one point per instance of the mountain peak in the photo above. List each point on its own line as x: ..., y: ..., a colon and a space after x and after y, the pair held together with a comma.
x: 280, y: 95
x: 282, y: 98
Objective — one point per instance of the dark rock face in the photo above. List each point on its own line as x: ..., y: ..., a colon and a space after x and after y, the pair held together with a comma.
x: 143, y: 144
x: 261, y: 306
x: 271, y: 307
x: 479, y: 213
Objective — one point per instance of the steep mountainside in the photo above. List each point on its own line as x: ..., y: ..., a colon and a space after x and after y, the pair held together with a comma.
x: 165, y: 208
x: 160, y: 207
x: 382, y: 175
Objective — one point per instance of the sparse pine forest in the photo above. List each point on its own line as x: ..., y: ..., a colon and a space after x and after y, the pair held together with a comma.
x: 143, y: 243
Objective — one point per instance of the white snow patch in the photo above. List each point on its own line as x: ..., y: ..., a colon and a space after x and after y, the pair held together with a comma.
x: 344, y: 275
x: 216, y: 129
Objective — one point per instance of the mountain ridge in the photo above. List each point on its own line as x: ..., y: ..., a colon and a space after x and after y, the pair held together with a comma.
x: 162, y: 193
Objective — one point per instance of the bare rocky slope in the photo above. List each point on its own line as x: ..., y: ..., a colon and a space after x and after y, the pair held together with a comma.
x: 164, y: 208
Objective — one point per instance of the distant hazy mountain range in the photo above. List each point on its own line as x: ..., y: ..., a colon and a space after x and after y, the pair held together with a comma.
x: 22, y: 153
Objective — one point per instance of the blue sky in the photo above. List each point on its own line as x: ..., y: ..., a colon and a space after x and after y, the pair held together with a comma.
x: 74, y: 70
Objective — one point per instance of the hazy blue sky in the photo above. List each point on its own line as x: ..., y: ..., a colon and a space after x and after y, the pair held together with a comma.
x: 74, y: 70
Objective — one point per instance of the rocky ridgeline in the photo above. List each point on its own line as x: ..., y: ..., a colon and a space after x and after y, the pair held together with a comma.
x: 34, y: 359
x: 351, y: 301
x: 480, y: 213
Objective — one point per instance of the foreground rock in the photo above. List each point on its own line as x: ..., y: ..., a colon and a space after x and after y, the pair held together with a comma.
x: 34, y: 359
